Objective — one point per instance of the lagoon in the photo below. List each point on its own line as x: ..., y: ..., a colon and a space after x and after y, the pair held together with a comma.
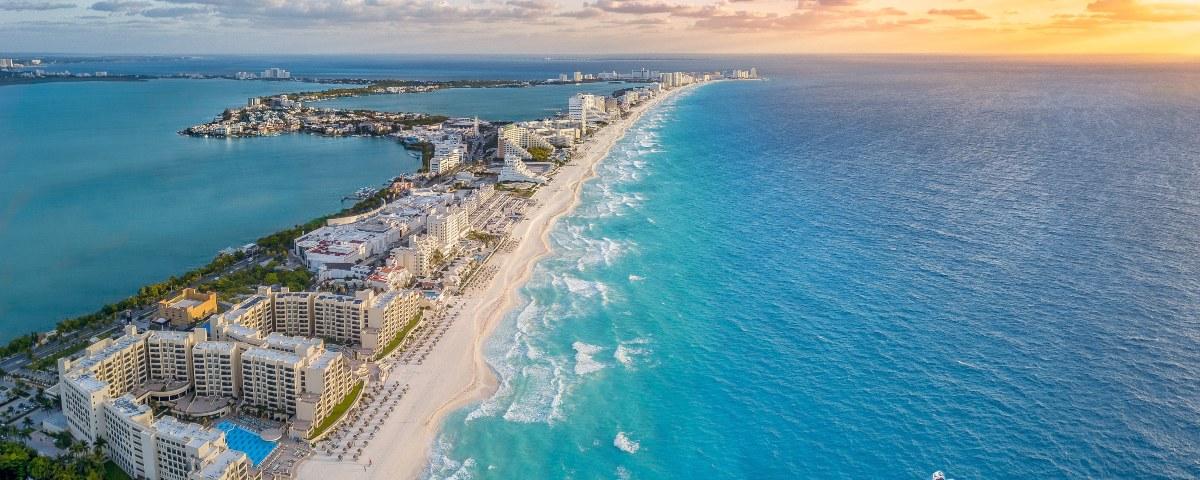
x: 99, y: 195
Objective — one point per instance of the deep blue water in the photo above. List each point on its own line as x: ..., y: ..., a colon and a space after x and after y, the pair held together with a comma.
x: 869, y: 269
x: 99, y: 195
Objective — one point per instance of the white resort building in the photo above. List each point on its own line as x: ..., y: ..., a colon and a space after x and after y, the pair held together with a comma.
x: 513, y: 144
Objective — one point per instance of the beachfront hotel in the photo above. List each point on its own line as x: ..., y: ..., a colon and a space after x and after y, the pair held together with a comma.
x: 167, y: 449
x: 106, y: 395
x: 365, y: 322
x: 513, y: 143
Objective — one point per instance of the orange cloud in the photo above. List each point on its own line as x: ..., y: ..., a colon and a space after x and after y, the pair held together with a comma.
x: 1136, y: 11
x: 959, y: 13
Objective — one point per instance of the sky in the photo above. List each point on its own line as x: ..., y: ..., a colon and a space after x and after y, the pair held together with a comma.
x: 1087, y: 27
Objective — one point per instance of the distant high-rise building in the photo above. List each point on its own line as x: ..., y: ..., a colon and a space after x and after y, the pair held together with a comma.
x: 578, y: 76
x: 276, y: 73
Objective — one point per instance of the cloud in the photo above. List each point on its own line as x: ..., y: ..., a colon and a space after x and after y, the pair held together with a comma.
x: 827, y: 3
x: 128, y: 7
x: 545, y: 5
x: 586, y: 12
x: 824, y: 16
x: 1136, y: 11
x: 959, y: 13
x: 1112, y: 13
x: 19, y: 6
x: 643, y: 21
x: 300, y: 13
x: 639, y: 7
x: 174, y: 12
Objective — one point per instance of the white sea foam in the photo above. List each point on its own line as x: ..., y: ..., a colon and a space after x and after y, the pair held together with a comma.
x: 599, y: 251
x: 540, y: 396
x: 625, y: 444
x: 506, y: 360
x: 622, y: 355
x: 584, y: 362
x: 585, y: 288
x: 636, y: 278
x: 442, y: 467
x: 627, y: 351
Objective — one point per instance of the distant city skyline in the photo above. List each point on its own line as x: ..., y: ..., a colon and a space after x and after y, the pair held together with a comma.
x: 602, y: 26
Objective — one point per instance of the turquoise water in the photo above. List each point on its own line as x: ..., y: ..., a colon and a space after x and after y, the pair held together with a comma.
x: 506, y: 104
x: 246, y: 441
x: 99, y: 195
x: 868, y: 269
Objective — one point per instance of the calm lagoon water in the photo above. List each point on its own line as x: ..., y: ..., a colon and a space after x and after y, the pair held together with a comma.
x: 99, y: 195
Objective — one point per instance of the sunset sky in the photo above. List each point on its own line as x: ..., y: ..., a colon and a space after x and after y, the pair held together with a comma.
x: 602, y: 26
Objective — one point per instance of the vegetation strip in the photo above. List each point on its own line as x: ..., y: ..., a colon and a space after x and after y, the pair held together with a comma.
x: 338, y: 410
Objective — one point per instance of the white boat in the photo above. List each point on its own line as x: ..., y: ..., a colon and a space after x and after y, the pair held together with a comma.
x: 938, y: 475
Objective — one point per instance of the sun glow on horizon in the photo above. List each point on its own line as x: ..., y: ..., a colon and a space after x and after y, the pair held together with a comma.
x: 1124, y: 27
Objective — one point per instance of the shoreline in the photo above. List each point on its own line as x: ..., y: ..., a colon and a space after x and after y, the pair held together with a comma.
x: 457, y: 374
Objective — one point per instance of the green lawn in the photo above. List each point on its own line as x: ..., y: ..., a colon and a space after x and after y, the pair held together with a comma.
x: 113, y: 472
x: 338, y: 410
x: 387, y: 350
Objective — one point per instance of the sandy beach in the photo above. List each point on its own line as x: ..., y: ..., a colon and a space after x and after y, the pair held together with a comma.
x: 455, y: 373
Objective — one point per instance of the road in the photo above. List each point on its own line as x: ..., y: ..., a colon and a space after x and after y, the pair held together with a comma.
x: 141, y: 315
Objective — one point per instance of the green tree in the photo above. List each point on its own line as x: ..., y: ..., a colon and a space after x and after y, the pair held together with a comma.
x: 41, y: 468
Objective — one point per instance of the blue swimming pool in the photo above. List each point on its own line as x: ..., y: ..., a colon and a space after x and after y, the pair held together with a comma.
x: 245, y: 440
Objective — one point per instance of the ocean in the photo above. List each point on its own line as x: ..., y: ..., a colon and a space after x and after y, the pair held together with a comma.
x: 868, y: 268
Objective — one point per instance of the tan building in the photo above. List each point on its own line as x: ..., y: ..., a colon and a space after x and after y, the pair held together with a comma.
x: 291, y: 376
x: 366, y: 321
x: 188, y: 307
x: 327, y: 380
x: 169, y: 363
x: 217, y: 369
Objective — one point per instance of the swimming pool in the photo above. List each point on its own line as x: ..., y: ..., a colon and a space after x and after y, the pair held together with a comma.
x: 244, y: 440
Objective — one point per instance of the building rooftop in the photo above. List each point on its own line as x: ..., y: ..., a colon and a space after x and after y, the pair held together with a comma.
x: 243, y: 333
x: 127, y: 406
x: 85, y: 382
x: 190, y: 434
x: 216, y: 469
x: 271, y: 355
x: 117, y: 345
x: 169, y: 335
x: 215, y: 346
x: 325, y: 360
x: 185, y: 303
x: 296, y: 345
